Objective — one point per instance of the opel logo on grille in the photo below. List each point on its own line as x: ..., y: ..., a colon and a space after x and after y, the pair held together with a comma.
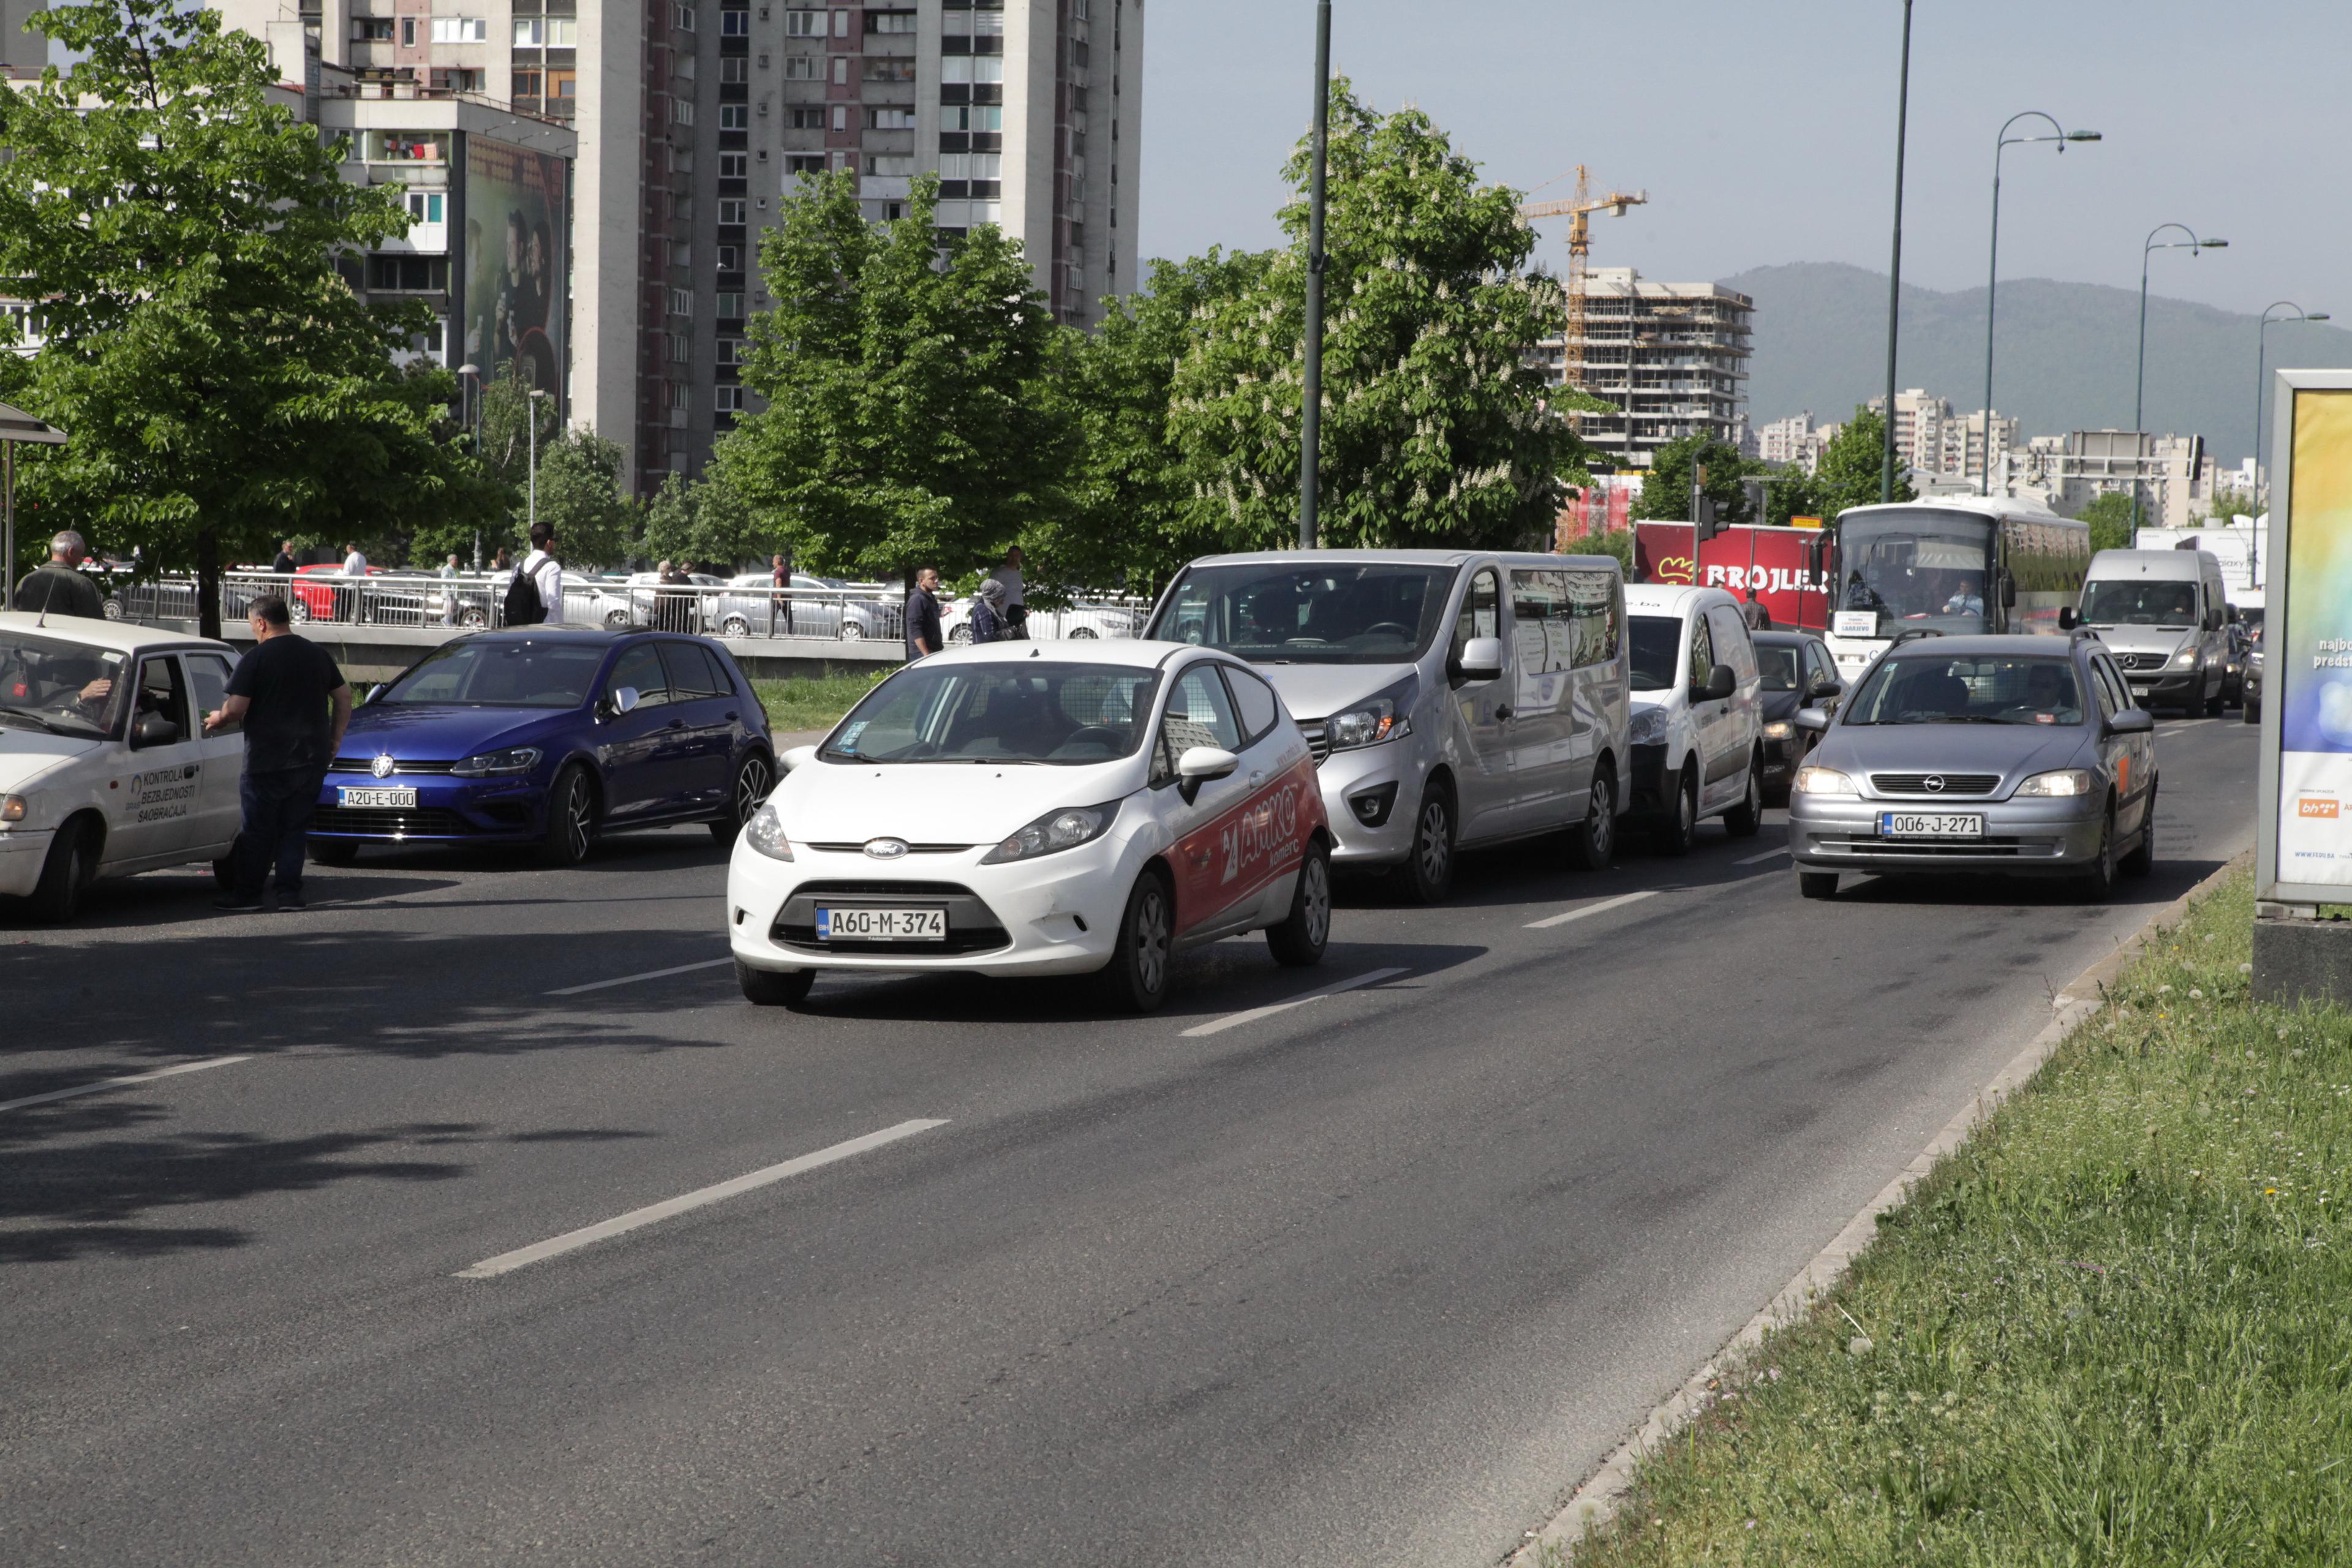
x: 1935, y: 783
x: 381, y: 767
x: 885, y: 849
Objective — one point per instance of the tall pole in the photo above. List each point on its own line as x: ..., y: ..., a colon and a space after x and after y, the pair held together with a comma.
x: 1310, y: 430
x: 531, y: 411
x: 2261, y: 334
x: 1894, y: 268
x: 2149, y: 248
x: 1993, y: 267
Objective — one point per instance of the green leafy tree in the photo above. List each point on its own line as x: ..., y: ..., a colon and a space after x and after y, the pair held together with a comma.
x: 1666, y: 491
x: 2228, y: 504
x: 910, y: 418
x: 707, y: 522
x: 2110, y: 516
x: 1850, y: 469
x: 1435, y: 429
x: 579, y: 486
x: 580, y: 495
x: 221, y: 385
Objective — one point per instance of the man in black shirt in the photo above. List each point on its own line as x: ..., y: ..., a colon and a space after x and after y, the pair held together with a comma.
x: 923, y: 637
x: 284, y: 564
x: 294, y: 703
x: 58, y: 586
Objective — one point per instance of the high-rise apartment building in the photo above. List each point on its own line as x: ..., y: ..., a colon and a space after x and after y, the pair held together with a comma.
x: 1673, y: 357
x: 1795, y: 440
x: 694, y: 120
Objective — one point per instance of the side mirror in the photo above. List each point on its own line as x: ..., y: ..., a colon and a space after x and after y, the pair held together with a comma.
x: 621, y: 700
x: 798, y: 757
x: 1198, y: 765
x: 2131, y: 721
x: 152, y: 730
x: 1824, y: 690
x: 1814, y: 719
x: 1482, y: 659
x: 2067, y: 619
x: 1720, y: 683
x: 2008, y: 592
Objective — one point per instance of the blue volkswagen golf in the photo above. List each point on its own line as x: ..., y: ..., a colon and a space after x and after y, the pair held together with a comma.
x: 548, y: 737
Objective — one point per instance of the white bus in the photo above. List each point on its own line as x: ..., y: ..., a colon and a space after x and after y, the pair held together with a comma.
x: 1969, y: 564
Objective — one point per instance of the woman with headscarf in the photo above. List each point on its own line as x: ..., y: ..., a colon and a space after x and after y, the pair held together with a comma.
x: 988, y: 612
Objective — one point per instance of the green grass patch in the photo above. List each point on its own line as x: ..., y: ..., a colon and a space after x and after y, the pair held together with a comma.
x: 814, y: 704
x: 2114, y: 1329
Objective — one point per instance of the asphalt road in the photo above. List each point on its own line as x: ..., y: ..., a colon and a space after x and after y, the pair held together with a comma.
x: 1375, y: 1279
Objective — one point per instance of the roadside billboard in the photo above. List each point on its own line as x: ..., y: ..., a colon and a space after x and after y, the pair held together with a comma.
x: 516, y: 261
x: 2305, y: 821
x: 1777, y: 561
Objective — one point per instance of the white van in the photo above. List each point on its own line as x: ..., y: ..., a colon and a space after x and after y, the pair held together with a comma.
x: 1452, y: 697
x: 2163, y: 617
x: 1697, y: 732
x: 105, y: 769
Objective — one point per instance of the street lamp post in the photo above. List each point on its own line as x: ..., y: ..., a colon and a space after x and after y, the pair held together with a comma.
x: 2139, y: 376
x: 1993, y: 267
x: 532, y: 409
x: 2260, y: 346
x: 1894, y: 268
x: 473, y: 403
x: 1310, y: 427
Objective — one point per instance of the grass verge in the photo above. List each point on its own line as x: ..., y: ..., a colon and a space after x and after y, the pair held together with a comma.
x: 2111, y: 1330
x: 812, y: 704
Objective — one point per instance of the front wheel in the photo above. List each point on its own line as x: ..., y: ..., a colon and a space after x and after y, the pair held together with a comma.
x: 1136, y: 979
x: 753, y: 779
x: 2215, y: 703
x: 1429, y: 866
x: 1593, y: 842
x: 1082, y: 633
x: 617, y: 620
x: 473, y: 618
x: 1299, y: 942
x: 2252, y: 712
x: 961, y: 636
x: 70, y: 867
x: 1674, y: 834
x: 570, y: 819
x: 734, y: 626
x: 2142, y: 860
x: 1817, y: 884
x: 297, y: 609
x: 2099, y: 878
x: 850, y: 631
x: 1742, y: 820
x: 767, y: 988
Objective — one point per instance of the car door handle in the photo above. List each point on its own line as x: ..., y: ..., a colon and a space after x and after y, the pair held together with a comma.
x: 1503, y: 711
x: 678, y: 724
x: 1257, y: 778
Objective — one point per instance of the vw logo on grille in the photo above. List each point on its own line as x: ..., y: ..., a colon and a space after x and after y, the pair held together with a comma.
x: 885, y: 849
x: 1935, y: 783
x: 381, y: 767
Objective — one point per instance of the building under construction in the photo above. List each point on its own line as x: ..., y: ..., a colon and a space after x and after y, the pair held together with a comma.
x: 1672, y: 357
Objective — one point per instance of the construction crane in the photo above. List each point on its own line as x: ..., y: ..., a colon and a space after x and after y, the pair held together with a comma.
x: 1579, y: 211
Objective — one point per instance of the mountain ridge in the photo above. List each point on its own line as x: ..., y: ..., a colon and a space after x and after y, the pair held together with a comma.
x: 2064, y: 357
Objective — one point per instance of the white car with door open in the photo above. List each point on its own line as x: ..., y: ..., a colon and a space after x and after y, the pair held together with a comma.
x: 105, y: 769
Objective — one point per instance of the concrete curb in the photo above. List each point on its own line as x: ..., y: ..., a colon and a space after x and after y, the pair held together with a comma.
x: 1595, y: 1503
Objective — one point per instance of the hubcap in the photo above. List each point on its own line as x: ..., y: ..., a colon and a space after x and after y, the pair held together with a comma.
x: 751, y: 788
x: 1687, y: 811
x: 1151, y: 940
x: 1433, y: 847
x: 1604, y: 817
x: 1318, y: 900
x: 575, y: 820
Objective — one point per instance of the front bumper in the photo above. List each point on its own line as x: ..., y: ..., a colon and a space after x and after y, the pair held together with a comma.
x: 2168, y: 688
x: 22, y: 853
x: 1388, y: 779
x: 1058, y: 914
x: 1840, y: 833
x: 448, y: 810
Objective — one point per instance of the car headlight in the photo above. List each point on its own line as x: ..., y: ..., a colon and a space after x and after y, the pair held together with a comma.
x: 1822, y: 781
x: 2185, y: 659
x: 765, y: 832
x: 513, y: 759
x: 1055, y: 832
x: 2065, y: 782
x: 14, y: 808
x: 1380, y: 717
x: 1778, y: 730
x: 1649, y: 726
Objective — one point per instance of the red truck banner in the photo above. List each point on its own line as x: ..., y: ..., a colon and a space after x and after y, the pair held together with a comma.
x: 1775, y: 560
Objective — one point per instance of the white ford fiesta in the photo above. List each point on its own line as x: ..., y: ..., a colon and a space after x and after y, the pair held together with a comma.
x: 1037, y: 808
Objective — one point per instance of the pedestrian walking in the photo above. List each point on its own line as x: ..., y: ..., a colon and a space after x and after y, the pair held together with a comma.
x: 535, y: 591
x: 1016, y: 606
x: 1753, y: 613
x: 780, y: 579
x: 58, y: 586
x: 284, y: 565
x: 669, y: 604
x: 449, y: 591
x: 355, y: 567
x: 923, y: 638
x: 988, y: 614
x: 294, y: 704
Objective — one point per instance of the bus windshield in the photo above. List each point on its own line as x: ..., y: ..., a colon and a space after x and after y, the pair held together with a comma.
x: 1915, y: 570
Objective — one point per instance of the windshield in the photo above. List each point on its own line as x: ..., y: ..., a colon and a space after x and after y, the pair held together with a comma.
x: 1915, y: 569
x: 1778, y: 666
x: 1065, y: 714
x: 1283, y: 614
x: 2140, y: 601
x: 60, y: 687
x: 2006, y: 689
x: 480, y: 674
x: 1657, y: 646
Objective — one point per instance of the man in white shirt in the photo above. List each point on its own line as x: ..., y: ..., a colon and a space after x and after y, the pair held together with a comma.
x: 545, y: 572
x: 355, y: 568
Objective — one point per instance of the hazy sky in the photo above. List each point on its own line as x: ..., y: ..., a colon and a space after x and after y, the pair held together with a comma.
x: 1764, y: 130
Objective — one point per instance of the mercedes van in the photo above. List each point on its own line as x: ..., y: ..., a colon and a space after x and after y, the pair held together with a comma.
x: 2163, y: 617
x: 1452, y: 697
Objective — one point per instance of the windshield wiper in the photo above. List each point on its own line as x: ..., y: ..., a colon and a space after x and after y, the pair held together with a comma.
x: 1954, y: 719
x: 43, y: 720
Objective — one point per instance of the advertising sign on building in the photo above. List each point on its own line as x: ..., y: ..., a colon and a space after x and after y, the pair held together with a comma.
x: 2304, y: 820
x: 517, y: 262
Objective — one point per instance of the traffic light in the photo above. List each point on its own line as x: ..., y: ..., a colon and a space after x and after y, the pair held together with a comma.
x: 1704, y: 525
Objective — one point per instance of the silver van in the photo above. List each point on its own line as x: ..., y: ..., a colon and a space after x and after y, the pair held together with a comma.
x: 2164, y: 615
x: 1452, y: 697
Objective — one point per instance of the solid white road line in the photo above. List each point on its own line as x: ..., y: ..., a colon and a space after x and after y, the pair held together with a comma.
x: 1234, y: 1020
x: 620, y: 1224
x: 648, y: 975
x: 121, y: 1082
x: 1760, y: 860
x: 1603, y: 907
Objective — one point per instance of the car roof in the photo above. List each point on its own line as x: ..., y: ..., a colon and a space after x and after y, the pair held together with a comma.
x: 122, y: 637
x: 1399, y: 558
x: 1135, y: 652
x: 1673, y: 598
x: 1778, y: 636
x: 2158, y: 565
